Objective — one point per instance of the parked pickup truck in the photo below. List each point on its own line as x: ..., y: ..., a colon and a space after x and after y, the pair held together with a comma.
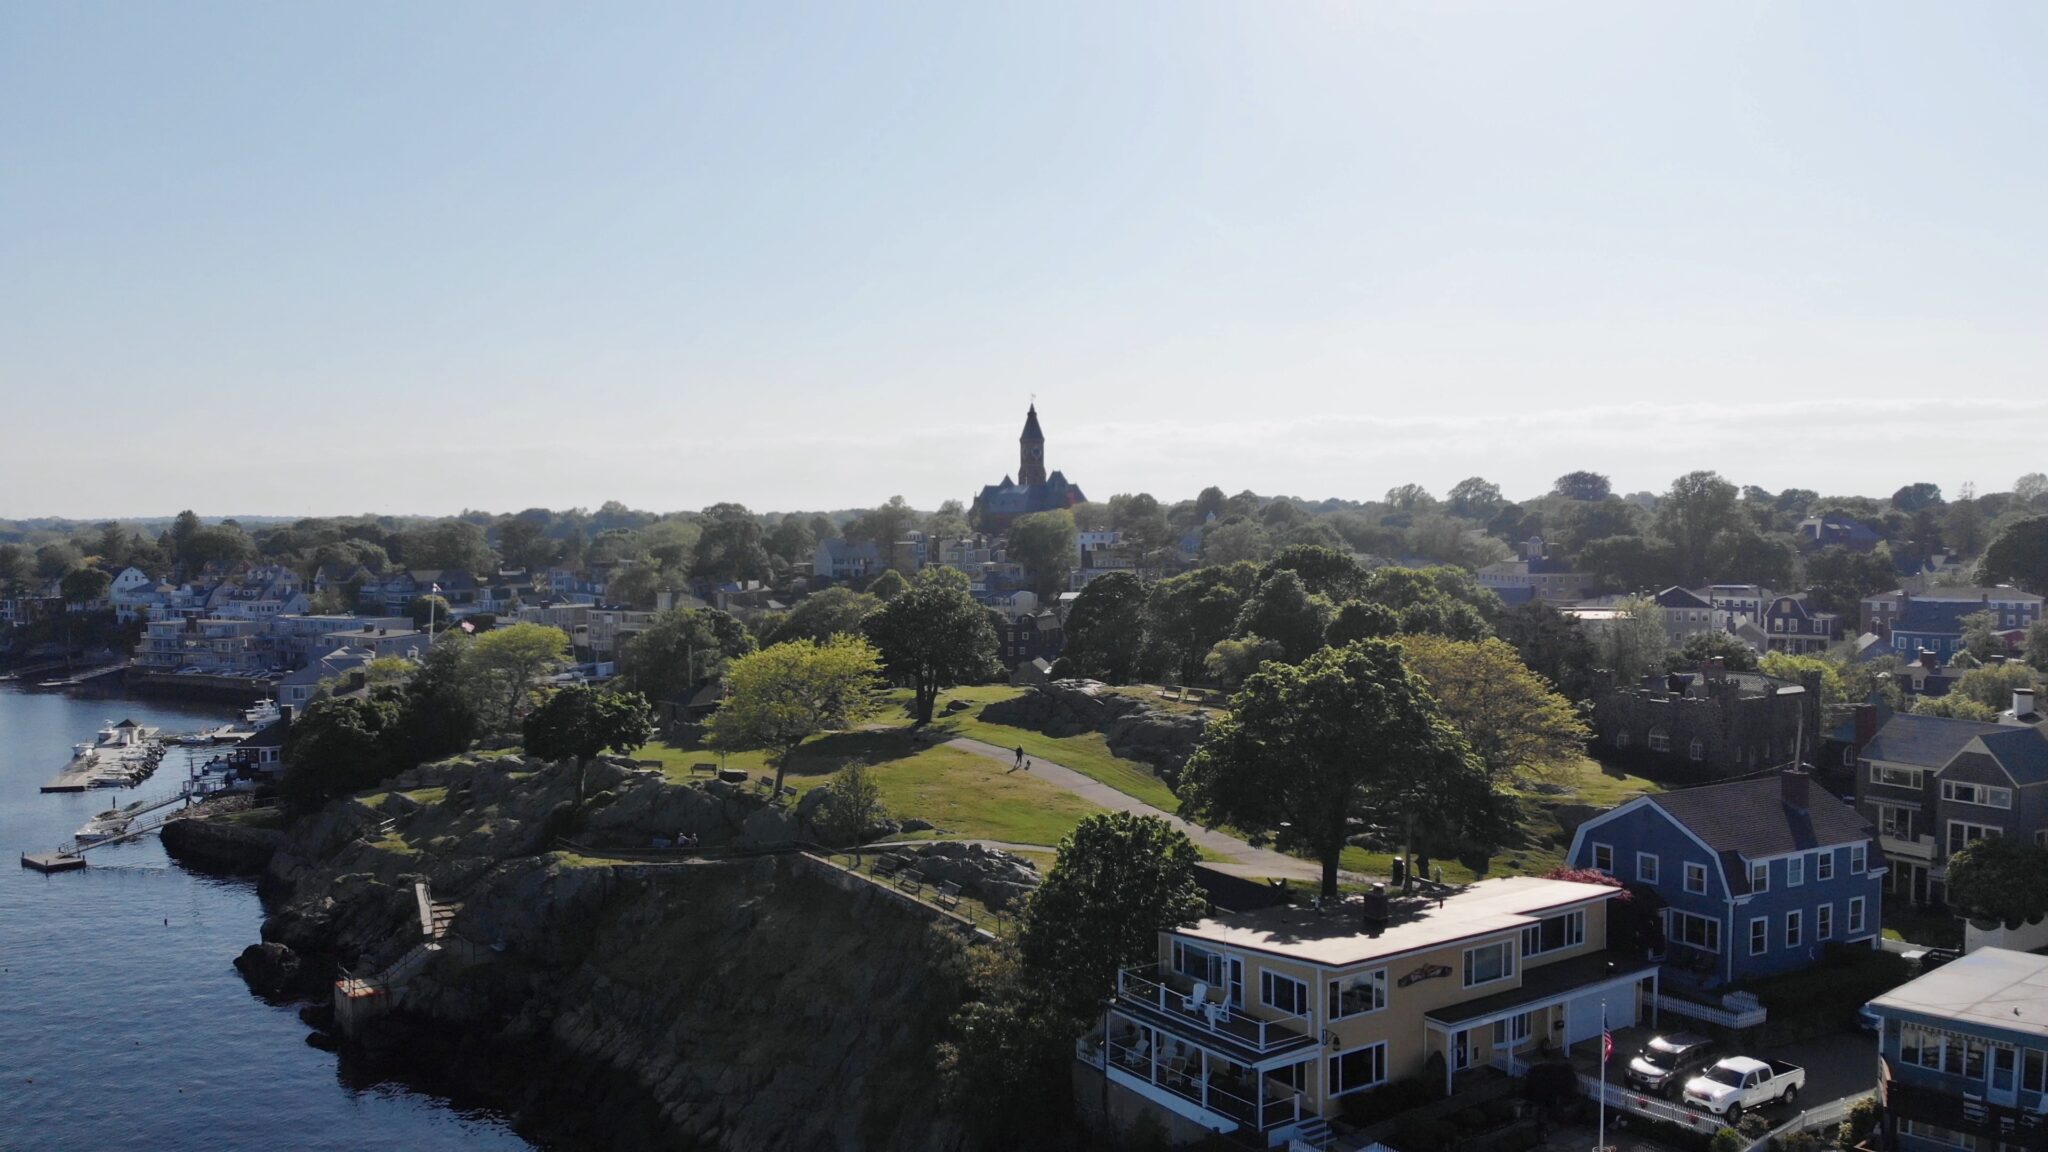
x: 1740, y: 1082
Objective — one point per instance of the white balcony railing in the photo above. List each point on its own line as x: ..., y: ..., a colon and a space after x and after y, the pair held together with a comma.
x: 1147, y: 986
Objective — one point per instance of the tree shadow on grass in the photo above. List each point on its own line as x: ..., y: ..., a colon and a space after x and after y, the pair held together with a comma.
x: 824, y: 755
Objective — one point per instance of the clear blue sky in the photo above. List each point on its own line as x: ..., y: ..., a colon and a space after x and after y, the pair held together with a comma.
x: 313, y: 258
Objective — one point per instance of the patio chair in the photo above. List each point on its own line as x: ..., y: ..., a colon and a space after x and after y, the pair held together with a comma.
x: 1194, y: 1000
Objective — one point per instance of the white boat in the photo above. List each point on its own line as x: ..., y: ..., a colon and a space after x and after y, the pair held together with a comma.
x: 265, y: 712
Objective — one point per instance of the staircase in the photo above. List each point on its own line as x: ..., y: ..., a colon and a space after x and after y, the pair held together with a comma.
x: 1313, y: 1136
x: 434, y: 915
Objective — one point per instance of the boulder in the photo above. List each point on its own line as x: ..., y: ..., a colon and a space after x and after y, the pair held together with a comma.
x: 990, y: 875
x: 272, y: 969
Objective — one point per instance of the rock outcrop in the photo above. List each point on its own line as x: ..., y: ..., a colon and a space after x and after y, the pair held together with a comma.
x: 1134, y: 729
x: 991, y: 875
x: 756, y: 1002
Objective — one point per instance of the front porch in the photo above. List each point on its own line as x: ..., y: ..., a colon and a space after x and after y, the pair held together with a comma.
x: 1558, y: 1006
x: 1215, y: 1083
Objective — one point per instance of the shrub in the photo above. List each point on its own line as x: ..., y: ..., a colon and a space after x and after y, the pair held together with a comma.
x: 1797, y: 1142
x: 1752, y: 1125
x: 1667, y: 1133
x: 1861, y: 1122
x: 1727, y: 1140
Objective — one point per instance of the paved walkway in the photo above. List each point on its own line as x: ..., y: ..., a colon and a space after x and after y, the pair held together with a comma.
x: 1239, y: 858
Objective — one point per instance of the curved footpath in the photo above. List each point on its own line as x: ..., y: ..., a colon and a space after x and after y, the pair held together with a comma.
x: 1239, y: 857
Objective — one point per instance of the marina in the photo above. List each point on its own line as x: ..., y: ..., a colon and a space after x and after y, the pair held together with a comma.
x: 125, y: 754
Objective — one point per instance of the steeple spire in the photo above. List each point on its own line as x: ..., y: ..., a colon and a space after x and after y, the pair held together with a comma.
x: 1031, y: 450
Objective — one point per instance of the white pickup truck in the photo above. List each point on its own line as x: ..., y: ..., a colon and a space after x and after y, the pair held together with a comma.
x: 1740, y: 1082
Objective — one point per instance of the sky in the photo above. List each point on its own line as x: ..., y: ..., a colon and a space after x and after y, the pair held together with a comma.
x: 329, y: 258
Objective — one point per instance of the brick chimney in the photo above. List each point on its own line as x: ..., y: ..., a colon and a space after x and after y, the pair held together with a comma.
x: 1929, y: 660
x: 1792, y: 785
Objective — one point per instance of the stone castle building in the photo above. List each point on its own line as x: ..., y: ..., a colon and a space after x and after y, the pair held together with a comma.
x: 1032, y: 491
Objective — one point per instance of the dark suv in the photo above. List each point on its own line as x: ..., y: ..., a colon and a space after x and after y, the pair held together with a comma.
x: 1667, y: 1062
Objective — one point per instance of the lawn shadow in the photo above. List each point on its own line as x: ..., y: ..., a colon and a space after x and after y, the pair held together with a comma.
x: 825, y: 755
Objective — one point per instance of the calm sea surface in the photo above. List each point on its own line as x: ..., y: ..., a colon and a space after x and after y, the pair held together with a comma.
x: 122, y: 1022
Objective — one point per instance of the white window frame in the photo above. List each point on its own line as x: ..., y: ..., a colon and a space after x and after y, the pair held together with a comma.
x: 1375, y: 981
x: 1677, y: 933
x: 1988, y: 832
x: 1824, y: 866
x: 1855, y: 914
x: 1795, y: 871
x: 1655, y: 866
x: 1695, y: 870
x: 1608, y: 850
x: 1506, y: 948
x: 1981, y: 795
x: 1330, y: 1074
x: 1760, y: 876
x: 1698, y: 750
x: 1574, y: 933
x: 1879, y: 772
x: 1269, y: 980
x: 1759, y: 929
x: 1176, y: 957
x: 1823, y: 923
x: 1513, y: 1031
x: 1795, y: 929
x: 1659, y: 740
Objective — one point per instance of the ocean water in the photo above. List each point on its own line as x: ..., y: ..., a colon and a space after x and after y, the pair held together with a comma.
x: 122, y: 1021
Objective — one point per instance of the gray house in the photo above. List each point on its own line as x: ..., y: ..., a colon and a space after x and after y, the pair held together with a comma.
x: 1933, y: 785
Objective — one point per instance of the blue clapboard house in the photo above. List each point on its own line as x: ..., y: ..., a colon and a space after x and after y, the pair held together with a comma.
x: 1755, y: 876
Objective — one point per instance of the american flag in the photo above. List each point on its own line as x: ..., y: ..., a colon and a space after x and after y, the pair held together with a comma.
x: 1606, y: 1046
x: 437, y: 589
x: 468, y: 627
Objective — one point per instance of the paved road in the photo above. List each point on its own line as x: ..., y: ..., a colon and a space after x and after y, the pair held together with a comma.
x: 1240, y: 858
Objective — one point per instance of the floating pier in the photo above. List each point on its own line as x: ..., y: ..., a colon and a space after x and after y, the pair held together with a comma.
x: 52, y: 861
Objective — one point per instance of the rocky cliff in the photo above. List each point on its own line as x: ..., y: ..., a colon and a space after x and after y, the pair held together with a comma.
x: 1134, y: 729
x: 749, y: 1003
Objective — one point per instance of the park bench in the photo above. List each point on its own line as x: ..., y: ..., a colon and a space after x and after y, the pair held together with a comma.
x: 911, y: 882
x: 766, y: 784
x: 704, y: 768
x: 948, y: 895
x: 887, y: 865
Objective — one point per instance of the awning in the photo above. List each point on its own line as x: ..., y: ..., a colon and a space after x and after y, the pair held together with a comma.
x: 1543, y: 986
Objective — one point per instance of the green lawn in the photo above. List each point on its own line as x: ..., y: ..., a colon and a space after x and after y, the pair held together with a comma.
x: 1087, y: 753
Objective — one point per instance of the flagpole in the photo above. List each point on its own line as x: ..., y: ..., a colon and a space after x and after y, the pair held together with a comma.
x: 1601, y: 1144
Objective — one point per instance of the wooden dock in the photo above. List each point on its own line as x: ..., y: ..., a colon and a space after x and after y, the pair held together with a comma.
x: 52, y: 861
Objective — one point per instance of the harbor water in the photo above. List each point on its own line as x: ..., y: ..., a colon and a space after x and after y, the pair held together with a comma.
x: 122, y: 1021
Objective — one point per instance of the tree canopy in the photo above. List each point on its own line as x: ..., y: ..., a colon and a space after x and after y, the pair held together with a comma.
x: 506, y: 666
x: 681, y: 648
x: 2003, y: 879
x: 1516, y: 723
x: 2019, y: 556
x: 1105, y: 629
x: 1047, y: 545
x: 578, y: 722
x: 1346, y: 737
x: 786, y: 693
x: 934, y: 635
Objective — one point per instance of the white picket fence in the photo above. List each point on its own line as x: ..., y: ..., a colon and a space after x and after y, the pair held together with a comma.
x: 1824, y: 1116
x: 1741, y: 1014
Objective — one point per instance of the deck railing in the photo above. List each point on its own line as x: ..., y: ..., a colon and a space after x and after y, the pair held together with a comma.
x: 1281, y: 1104
x: 1148, y: 986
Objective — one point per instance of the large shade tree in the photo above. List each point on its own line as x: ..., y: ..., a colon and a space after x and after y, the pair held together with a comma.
x: 934, y: 635
x: 784, y: 694
x: 2018, y: 555
x: 1346, y: 738
x: 505, y: 666
x: 1105, y: 629
x: 1516, y: 723
x: 681, y: 648
x: 578, y: 722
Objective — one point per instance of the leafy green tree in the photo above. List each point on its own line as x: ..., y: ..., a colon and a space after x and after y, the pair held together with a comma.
x: 1839, y: 578
x: 1701, y: 647
x: 1553, y: 647
x: 84, y: 585
x: 1230, y: 541
x: 2030, y: 487
x: 336, y: 748
x: 17, y: 566
x: 436, y: 716
x: 1954, y: 707
x: 523, y: 541
x: 730, y: 546
x: 853, y: 805
x: 822, y: 615
x: 1361, y: 620
x: 1119, y: 881
x: 578, y: 722
x: 1474, y: 498
x: 508, y: 665
x: 1047, y: 545
x: 681, y: 648
x: 1980, y: 635
x: 934, y: 635
x: 1231, y: 660
x: 885, y: 525
x: 889, y: 585
x: 221, y: 545
x: 784, y: 694
x: 1992, y: 685
x: 1582, y: 486
x: 448, y: 545
x: 1105, y: 629
x: 792, y: 541
x: 1347, y: 736
x: 1281, y: 610
x: 1516, y: 723
x: 1914, y: 497
x: 2003, y: 879
x: 1630, y: 561
x: 1443, y: 601
x: 1192, y: 611
x: 2018, y: 555
x: 1209, y: 503
x: 1141, y: 520
x: 1324, y: 572
x: 1697, y: 510
x: 1633, y: 643
x: 430, y: 609
x: 2037, y: 645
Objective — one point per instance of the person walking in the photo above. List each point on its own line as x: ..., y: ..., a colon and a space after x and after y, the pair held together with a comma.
x: 1020, y: 756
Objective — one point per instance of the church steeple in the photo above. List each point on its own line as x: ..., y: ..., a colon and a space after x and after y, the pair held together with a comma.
x: 1031, y: 455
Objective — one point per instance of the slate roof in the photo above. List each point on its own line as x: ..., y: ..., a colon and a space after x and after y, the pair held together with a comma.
x: 2023, y: 751
x: 1676, y: 597
x: 1934, y: 617
x: 1751, y: 818
x: 1925, y: 741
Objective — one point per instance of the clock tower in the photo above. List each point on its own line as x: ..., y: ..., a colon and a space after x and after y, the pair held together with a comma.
x: 1031, y: 454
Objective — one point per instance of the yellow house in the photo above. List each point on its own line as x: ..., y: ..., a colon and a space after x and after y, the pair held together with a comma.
x: 1262, y: 1022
